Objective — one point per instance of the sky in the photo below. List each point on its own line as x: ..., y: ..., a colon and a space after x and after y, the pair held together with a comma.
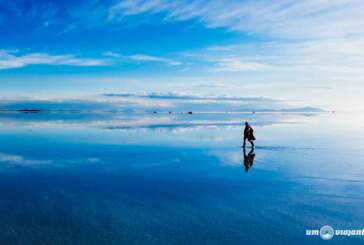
x: 308, y: 52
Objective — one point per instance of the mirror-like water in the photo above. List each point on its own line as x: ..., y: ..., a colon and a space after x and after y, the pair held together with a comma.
x: 179, y: 179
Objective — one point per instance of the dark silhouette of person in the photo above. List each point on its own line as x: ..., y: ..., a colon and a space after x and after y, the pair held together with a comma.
x: 248, y: 134
x: 248, y: 159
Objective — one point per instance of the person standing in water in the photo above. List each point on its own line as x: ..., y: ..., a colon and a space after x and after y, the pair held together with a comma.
x: 248, y: 134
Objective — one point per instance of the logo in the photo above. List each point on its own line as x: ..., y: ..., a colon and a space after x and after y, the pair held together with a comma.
x: 326, y: 232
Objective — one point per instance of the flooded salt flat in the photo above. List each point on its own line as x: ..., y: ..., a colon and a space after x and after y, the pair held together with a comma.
x: 179, y: 179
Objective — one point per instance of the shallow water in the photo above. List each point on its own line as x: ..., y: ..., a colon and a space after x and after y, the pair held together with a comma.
x: 178, y: 179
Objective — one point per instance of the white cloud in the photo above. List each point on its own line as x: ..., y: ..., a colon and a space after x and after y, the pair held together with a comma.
x: 142, y: 58
x: 318, y: 40
x: 236, y: 64
x: 282, y: 18
x: 111, y: 54
x: 148, y: 58
x: 328, y: 59
x: 11, y: 59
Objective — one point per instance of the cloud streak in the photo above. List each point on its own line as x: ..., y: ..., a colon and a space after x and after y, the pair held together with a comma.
x: 10, y: 59
x: 326, y: 58
x: 309, y: 41
x: 148, y: 58
x: 141, y: 58
x: 284, y: 18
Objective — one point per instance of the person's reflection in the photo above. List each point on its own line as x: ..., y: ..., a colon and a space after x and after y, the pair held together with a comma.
x: 248, y: 159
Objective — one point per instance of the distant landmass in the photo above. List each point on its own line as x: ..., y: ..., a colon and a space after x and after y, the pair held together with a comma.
x: 84, y: 106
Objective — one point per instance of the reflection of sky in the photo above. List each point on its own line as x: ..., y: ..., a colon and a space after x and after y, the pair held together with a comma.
x: 72, y: 181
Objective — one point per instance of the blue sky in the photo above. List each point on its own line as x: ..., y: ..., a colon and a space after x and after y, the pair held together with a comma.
x: 309, y: 51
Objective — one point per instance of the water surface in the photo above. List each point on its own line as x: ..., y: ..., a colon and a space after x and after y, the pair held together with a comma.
x: 178, y: 179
